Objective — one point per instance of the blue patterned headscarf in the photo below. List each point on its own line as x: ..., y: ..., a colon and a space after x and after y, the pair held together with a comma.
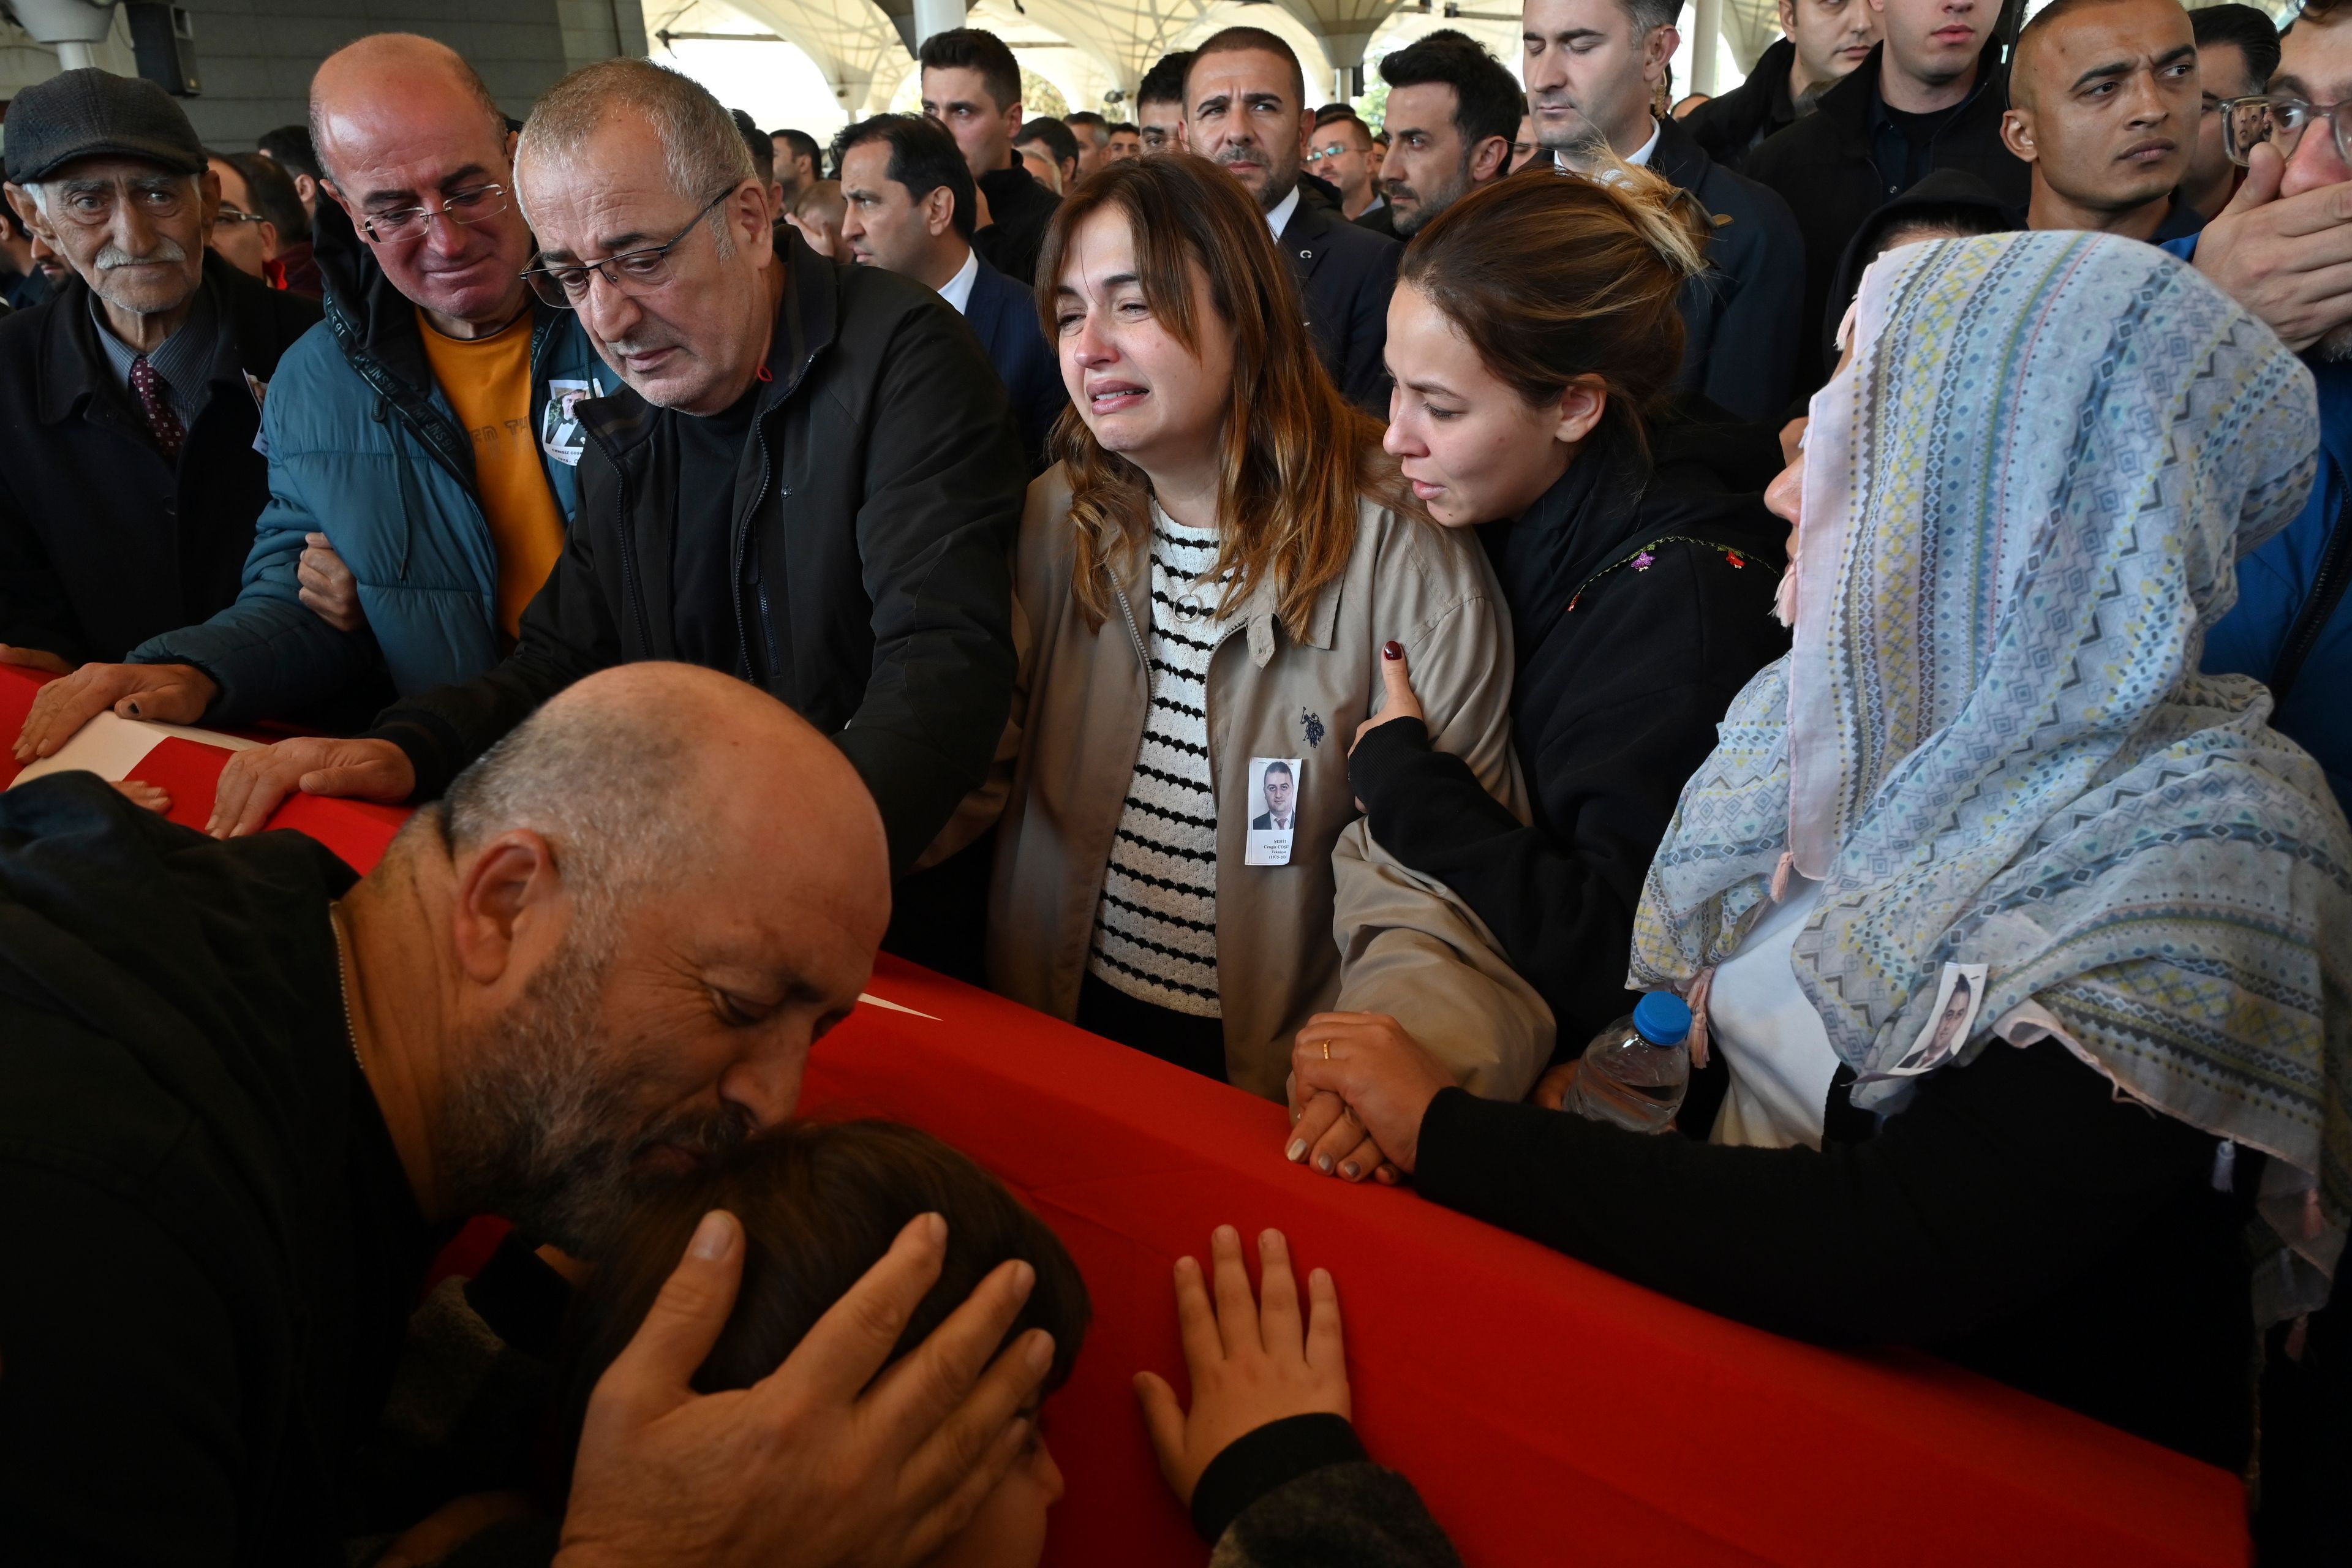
x: 2024, y: 501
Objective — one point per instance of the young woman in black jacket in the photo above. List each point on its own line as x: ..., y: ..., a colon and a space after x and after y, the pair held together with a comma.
x: 1534, y: 334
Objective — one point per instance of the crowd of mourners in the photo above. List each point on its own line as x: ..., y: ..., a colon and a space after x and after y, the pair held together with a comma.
x: 1345, y: 612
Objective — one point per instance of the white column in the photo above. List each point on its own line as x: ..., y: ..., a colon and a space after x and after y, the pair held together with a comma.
x: 1706, y: 27
x: 73, y: 56
x: 936, y: 17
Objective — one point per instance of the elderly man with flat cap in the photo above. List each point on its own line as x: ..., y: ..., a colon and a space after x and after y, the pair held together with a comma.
x: 245, y: 1094
x: 129, y: 400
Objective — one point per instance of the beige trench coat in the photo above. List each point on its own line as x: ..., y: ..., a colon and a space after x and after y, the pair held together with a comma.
x: 1341, y: 926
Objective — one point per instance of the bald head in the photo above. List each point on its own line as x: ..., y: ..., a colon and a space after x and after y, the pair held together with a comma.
x: 650, y: 780
x: 396, y: 80
x: 2071, y: 32
x: 407, y: 135
x: 626, y: 925
x: 2104, y: 106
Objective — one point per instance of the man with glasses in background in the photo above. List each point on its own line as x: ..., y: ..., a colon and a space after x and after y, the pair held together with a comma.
x: 1340, y: 155
x: 2283, y: 248
x: 420, y: 475
x: 132, y: 395
x: 812, y: 480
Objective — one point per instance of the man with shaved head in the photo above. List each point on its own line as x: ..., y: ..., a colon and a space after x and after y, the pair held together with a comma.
x: 809, y: 477
x: 246, y: 1094
x: 2103, y: 109
x: 422, y: 445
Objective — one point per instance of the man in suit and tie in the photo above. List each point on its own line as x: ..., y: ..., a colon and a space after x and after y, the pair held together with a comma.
x: 1245, y: 109
x: 909, y: 195
x: 1281, y: 800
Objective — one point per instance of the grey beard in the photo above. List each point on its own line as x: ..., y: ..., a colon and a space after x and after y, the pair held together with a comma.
x: 2333, y: 347
x: 545, y: 1120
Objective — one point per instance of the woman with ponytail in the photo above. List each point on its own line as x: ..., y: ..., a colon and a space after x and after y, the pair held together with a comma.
x: 1533, y: 335
x: 1207, y: 576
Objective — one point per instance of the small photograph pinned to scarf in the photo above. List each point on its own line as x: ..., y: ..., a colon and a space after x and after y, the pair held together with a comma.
x: 1958, y: 996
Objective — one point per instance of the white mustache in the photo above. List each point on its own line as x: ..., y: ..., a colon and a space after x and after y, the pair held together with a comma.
x: 167, y: 249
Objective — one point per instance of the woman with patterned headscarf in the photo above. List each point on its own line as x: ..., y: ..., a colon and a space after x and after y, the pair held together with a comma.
x: 1990, y: 759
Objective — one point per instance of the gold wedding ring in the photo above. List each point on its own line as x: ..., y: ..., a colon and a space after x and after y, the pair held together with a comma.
x: 1326, y: 1051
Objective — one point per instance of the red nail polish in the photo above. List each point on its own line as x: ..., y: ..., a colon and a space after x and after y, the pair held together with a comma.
x: 1392, y: 650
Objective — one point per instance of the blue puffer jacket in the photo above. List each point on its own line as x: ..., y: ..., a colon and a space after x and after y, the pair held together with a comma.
x: 363, y: 449
x: 2278, y: 579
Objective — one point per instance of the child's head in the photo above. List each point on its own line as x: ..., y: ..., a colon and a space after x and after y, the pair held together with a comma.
x: 819, y: 1205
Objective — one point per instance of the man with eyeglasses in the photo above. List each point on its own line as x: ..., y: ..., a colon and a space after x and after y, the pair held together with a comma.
x: 132, y: 396
x: 242, y: 233
x: 421, y: 469
x: 1340, y: 155
x: 812, y: 480
x: 2283, y: 248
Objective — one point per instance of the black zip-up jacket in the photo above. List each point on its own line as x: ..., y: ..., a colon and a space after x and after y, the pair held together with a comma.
x: 1734, y: 124
x: 213, y: 1250
x: 875, y: 512
x: 104, y: 542
x: 1613, y: 707
x: 1823, y: 168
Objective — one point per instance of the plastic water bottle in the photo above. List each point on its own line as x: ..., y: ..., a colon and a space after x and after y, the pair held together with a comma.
x: 1635, y: 1071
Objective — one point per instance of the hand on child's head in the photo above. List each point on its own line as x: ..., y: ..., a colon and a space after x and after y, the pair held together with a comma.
x: 1009, y: 1530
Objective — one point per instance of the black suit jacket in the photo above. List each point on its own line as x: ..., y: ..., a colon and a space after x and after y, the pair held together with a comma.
x: 1381, y: 220
x: 1743, y: 322
x: 105, y: 543
x: 1347, y: 273
x: 1004, y: 312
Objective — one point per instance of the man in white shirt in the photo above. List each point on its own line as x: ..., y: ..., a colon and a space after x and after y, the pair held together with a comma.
x: 909, y: 205
x: 1245, y: 111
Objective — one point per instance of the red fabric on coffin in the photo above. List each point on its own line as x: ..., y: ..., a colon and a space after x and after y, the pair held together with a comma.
x: 1550, y: 1413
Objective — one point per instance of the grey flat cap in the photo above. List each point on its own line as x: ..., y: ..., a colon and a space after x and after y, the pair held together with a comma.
x: 91, y: 114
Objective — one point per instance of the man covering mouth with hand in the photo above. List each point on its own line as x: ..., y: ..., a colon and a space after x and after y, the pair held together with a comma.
x: 2103, y: 105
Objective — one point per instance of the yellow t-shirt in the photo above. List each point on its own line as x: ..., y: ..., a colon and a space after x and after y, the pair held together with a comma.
x: 488, y: 384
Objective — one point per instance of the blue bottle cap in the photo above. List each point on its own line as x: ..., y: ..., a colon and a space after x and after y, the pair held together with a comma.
x: 1663, y: 1018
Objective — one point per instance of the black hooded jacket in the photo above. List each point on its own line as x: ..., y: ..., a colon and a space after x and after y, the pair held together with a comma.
x: 104, y: 542
x: 1640, y: 605
x: 1952, y: 196
x: 1824, y: 166
x: 212, y: 1248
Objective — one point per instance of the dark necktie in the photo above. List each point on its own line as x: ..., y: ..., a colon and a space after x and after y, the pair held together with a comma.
x: 163, y: 420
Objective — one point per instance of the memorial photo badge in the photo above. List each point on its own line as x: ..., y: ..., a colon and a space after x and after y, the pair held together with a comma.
x: 559, y: 435
x: 1958, y: 996
x: 1273, y: 810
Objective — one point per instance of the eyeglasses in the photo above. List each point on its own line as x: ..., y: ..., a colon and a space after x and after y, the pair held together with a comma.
x: 1336, y: 150
x: 2279, y: 121
x: 470, y: 205
x: 231, y: 215
x: 565, y: 285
